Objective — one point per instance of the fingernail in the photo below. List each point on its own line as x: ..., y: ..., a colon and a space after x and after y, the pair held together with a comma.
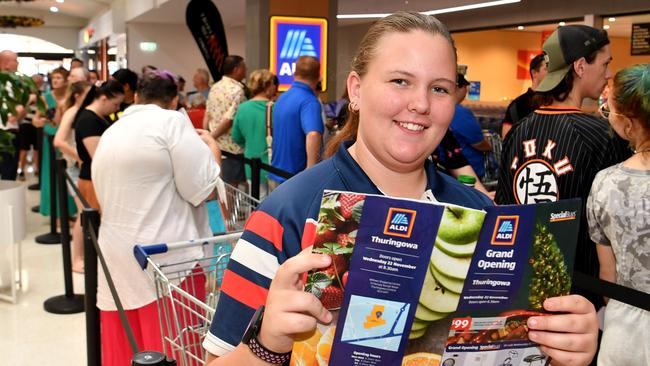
x: 532, y: 336
x: 533, y: 323
x: 328, y: 317
x: 549, y: 304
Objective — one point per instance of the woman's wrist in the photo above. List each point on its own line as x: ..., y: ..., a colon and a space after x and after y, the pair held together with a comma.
x: 273, y: 343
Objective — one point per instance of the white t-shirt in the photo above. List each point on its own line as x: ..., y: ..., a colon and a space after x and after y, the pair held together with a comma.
x: 151, y: 172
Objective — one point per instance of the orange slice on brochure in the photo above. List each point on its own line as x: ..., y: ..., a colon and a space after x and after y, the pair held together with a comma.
x: 324, y: 347
x: 304, y: 352
x: 421, y: 359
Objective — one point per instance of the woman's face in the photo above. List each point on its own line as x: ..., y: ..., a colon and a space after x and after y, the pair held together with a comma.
x: 405, y: 99
x: 110, y: 105
x: 617, y: 120
x: 58, y: 81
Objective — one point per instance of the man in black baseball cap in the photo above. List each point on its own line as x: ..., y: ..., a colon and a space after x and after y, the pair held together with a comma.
x: 556, y: 151
x: 567, y: 51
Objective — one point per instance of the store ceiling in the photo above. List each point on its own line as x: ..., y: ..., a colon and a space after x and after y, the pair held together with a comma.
x: 78, y: 12
x: 619, y: 27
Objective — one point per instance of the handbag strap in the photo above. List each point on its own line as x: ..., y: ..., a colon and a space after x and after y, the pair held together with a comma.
x: 269, y: 119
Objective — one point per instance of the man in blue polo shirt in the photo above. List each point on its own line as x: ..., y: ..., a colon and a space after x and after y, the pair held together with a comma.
x: 297, y: 122
x: 468, y: 132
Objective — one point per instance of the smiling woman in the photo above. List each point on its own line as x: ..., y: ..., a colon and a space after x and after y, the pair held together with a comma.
x: 400, y: 87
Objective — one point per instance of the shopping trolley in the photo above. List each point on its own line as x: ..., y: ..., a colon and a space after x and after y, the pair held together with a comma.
x: 492, y: 160
x: 187, y: 291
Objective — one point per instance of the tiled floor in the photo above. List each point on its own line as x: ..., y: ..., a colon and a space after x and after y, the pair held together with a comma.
x: 28, y: 334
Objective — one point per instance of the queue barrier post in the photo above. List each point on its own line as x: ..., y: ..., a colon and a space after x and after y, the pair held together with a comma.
x: 90, y: 219
x: 256, y: 169
x: 52, y: 237
x: 69, y: 303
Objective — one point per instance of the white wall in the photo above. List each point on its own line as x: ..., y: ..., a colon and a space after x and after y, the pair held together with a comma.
x: 65, y: 37
x: 347, y: 44
x: 177, y: 51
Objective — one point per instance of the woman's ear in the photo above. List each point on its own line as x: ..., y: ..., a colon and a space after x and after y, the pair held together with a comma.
x: 579, y: 66
x: 354, y: 87
x: 136, y: 98
x: 173, y: 104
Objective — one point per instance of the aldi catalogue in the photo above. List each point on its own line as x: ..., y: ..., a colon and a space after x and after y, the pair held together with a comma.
x: 419, y: 283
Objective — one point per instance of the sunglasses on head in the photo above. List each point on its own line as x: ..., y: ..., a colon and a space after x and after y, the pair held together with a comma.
x: 164, y: 74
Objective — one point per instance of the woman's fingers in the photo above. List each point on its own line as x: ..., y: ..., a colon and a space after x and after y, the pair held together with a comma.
x: 579, y: 317
x: 289, y: 273
x: 565, y: 358
x: 569, y: 338
x: 306, y: 303
x: 575, y: 304
x: 572, y: 342
x: 566, y: 323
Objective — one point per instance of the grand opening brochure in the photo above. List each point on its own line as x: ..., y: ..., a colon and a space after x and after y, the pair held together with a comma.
x: 419, y: 283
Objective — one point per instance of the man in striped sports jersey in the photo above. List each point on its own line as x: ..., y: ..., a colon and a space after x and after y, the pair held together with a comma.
x: 556, y: 151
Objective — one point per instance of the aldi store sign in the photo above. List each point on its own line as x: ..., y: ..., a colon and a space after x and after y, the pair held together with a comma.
x: 292, y: 37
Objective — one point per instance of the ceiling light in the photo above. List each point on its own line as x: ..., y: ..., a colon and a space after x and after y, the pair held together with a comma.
x: 433, y: 12
x: 60, y: 1
x: 562, y: 24
x: 612, y: 19
x: 606, y: 26
x: 54, y: 9
x: 521, y: 27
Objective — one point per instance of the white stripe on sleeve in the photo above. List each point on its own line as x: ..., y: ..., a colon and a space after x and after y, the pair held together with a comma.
x: 255, y: 259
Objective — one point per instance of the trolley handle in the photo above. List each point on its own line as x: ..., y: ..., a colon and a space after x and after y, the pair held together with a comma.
x: 142, y: 252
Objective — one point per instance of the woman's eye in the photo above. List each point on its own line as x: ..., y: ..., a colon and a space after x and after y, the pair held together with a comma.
x: 400, y: 82
x: 440, y: 90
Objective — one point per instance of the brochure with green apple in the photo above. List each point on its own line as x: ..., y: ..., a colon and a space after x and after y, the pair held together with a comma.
x: 421, y: 283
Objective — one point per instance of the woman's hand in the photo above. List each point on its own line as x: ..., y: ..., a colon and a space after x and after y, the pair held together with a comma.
x: 570, y: 338
x: 290, y: 311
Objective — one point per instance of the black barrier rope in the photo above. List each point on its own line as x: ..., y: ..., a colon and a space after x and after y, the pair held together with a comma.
x: 89, y: 219
x: 585, y: 282
x: 72, y: 185
x: 612, y: 290
x: 90, y: 223
x: 150, y: 358
x: 69, y: 303
x: 257, y: 166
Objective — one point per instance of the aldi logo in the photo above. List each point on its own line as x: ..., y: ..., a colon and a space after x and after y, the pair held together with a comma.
x: 292, y: 37
x: 399, y: 222
x: 505, y: 230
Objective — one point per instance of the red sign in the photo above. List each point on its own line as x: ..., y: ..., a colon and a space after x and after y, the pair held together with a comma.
x: 523, y: 60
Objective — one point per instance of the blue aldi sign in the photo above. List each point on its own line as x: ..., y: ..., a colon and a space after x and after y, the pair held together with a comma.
x: 292, y: 37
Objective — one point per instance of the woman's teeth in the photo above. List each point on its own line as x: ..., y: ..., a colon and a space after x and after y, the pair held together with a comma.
x: 411, y: 126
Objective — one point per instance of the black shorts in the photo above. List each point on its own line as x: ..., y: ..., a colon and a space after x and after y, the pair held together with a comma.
x: 27, y: 136
x: 232, y: 169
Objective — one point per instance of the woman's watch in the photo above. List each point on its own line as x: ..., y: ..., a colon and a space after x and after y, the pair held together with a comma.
x: 250, y: 339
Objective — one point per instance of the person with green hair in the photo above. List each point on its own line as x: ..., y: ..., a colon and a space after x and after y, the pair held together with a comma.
x: 619, y: 219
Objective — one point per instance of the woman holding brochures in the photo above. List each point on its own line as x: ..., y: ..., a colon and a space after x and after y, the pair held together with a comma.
x: 401, y: 91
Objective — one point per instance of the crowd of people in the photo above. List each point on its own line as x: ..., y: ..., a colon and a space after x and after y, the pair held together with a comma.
x: 147, y: 155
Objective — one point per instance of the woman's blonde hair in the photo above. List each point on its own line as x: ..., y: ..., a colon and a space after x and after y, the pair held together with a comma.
x: 400, y: 22
x: 259, y: 80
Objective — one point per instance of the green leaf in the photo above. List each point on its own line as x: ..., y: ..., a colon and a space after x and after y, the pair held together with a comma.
x: 357, y: 209
x: 317, y: 281
x: 344, y: 250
